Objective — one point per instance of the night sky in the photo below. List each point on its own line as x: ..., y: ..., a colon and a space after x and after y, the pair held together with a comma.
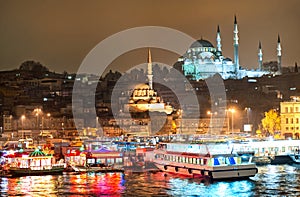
x: 59, y: 34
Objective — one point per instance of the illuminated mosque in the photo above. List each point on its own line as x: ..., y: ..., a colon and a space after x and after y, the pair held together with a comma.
x: 144, y: 98
x: 203, y: 60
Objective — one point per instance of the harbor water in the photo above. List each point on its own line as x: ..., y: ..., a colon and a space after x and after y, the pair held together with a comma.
x: 271, y: 180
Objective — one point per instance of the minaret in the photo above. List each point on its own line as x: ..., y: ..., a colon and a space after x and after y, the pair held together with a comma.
x: 279, y: 55
x: 236, y: 45
x: 219, y: 45
x: 150, y: 75
x: 260, y: 56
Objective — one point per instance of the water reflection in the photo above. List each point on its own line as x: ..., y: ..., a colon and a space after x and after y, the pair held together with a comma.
x: 281, y: 180
x: 29, y: 186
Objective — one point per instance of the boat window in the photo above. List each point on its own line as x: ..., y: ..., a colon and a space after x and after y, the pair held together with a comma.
x: 216, y: 162
x: 194, y: 160
x: 231, y: 161
x: 190, y: 160
x: 110, y: 160
x: 283, y: 149
x: 119, y: 160
x: 90, y: 160
x: 201, y: 161
x: 221, y: 160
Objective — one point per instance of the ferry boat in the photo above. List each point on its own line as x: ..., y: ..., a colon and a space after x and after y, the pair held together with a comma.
x: 36, y: 163
x: 270, y: 151
x: 213, y: 161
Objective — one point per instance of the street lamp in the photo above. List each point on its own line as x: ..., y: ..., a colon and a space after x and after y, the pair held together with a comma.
x: 49, y: 120
x: 232, y: 111
x: 180, y: 115
x: 248, y: 109
x: 211, y: 120
x: 22, y: 119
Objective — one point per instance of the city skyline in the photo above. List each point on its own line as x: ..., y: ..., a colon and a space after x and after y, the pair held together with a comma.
x: 60, y: 34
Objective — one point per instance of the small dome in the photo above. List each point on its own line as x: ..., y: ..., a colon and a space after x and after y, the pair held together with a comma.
x: 131, y: 101
x: 201, y: 43
x: 142, y: 86
x: 153, y: 101
x: 142, y: 102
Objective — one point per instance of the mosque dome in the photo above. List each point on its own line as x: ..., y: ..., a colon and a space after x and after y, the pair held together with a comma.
x: 142, y: 86
x: 201, y: 43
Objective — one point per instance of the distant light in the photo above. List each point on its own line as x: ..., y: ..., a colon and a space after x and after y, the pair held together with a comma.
x: 45, y: 99
x: 69, y: 77
x: 252, y: 80
x: 293, y: 88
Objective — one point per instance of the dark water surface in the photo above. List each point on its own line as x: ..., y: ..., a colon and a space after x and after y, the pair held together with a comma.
x: 272, y: 180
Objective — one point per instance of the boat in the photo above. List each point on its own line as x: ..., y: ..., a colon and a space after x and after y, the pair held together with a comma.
x: 36, y: 163
x: 212, y: 161
x: 295, y: 158
x: 100, y: 160
x: 270, y: 151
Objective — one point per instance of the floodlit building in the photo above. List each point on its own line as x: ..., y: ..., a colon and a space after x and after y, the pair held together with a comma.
x: 202, y: 60
x: 145, y: 98
x: 290, y: 117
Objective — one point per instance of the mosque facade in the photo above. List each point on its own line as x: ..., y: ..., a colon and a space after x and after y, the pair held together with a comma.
x: 202, y: 60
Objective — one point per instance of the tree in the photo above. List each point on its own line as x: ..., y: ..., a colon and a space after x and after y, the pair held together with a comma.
x: 271, y: 122
x: 271, y: 66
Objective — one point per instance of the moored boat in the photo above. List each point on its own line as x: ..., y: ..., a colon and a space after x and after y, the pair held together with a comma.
x: 213, y: 161
x: 36, y: 163
x: 270, y: 151
x: 101, y: 160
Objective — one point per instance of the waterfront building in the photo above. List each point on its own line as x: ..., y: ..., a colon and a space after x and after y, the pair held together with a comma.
x: 290, y: 117
x: 202, y: 60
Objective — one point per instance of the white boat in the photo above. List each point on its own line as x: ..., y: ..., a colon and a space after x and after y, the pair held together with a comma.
x: 213, y: 161
x: 276, y: 151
